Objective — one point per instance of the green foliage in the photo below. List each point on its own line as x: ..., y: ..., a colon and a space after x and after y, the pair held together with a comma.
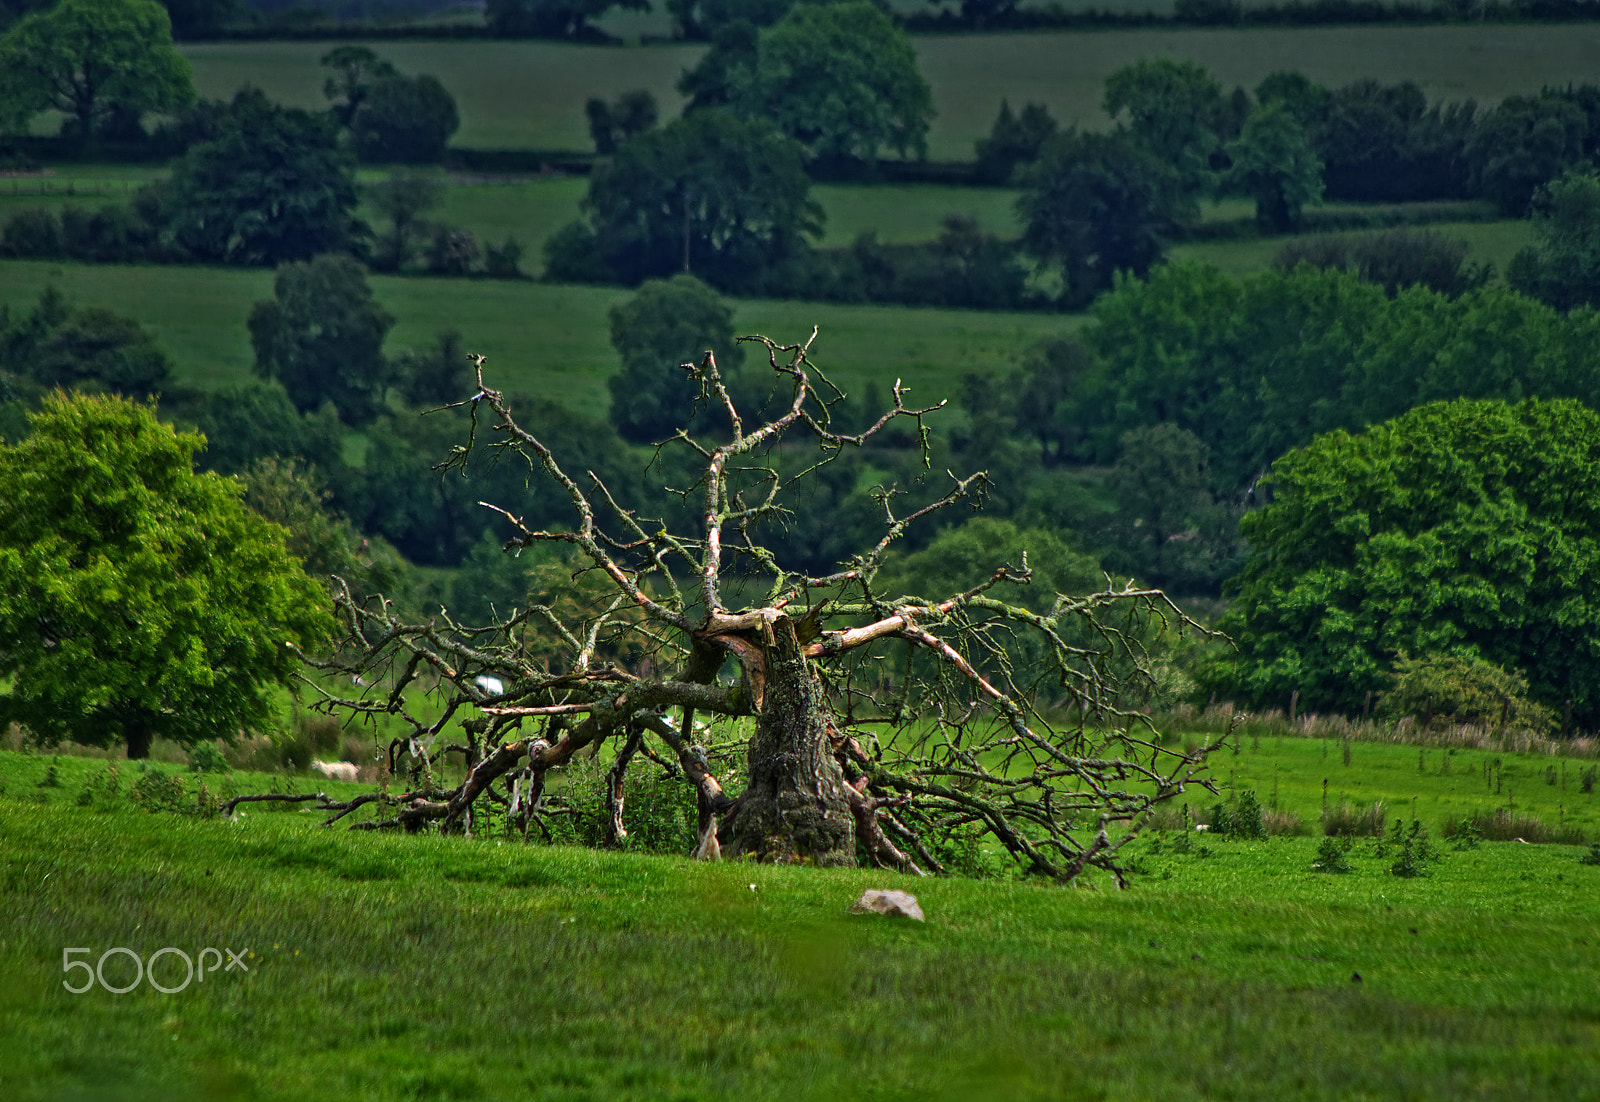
x: 1175, y: 112
x: 274, y: 186
x: 206, y: 757
x: 1383, y: 143
x: 1593, y: 856
x: 402, y: 196
x: 1449, y: 689
x: 136, y: 597
x: 1014, y: 140
x: 1274, y: 164
x: 1502, y: 824
x: 89, y: 58
x: 404, y: 120
x: 710, y: 193
x: 89, y: 348
x: 1466, y: 528
x: 1392, y: 259
x: 1524, y: 142
x: 1097, y: 204
x: 551, y: 18
x: 356, y: 69
x: 958, y: 555
x: 1331, y: 857
x: 438, y: 376
x: 1564, y: 269
x: 321, y: 336
x: 611, y: 124
x: 156, y: 790
x: 841, y: 79
x: 667, y: 323
x: 1466, y: 836
x: 244, y: 423
x: 1240, y: 817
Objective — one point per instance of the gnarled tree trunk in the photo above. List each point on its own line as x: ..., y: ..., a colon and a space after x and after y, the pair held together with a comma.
x: 796, y: 807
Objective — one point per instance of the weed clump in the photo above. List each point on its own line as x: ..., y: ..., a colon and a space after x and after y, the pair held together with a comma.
x: 1504, y: 825
x: 1360, y: 822
x: 1240, y: 817
x: 1331, y: 856
x: 1593, y: 856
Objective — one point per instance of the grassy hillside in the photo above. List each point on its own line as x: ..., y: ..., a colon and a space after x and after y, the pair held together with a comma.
x: 388, y: 967
x: 530, y: 94
x: 551, y: 340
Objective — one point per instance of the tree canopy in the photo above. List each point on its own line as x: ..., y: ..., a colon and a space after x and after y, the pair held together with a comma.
x: 1563, y: 270
x: 1468, y: 529
x: 1175, y: 111
x: 138, y: 598
x: 1274, y: 164
x: 667, y: 323
x: 87, y: 58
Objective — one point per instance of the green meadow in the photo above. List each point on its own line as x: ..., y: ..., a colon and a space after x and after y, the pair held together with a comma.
x: 530, y: 95
x: 385, y: 967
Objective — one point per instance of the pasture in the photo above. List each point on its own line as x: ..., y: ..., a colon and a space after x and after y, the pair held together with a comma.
x: 385, y: 967
x: 530, y: 95
x: 552, y: 340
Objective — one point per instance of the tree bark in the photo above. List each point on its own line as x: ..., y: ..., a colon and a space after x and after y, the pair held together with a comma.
x: 796, y: 807
x: 139, y: 734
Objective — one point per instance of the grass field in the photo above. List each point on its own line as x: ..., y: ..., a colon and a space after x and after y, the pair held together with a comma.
x: 1487, y: 242
x: 400, y: 968
x: 530, y: 95
x: 540, y: 338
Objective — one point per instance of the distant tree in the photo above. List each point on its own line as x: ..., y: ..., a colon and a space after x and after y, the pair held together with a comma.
x: 552, y: 18
x: 1274, y: 164
x: 1013, y: 140
x: 702, y: 19
x: 982, y: 14
x: 275, y: 187
x: 89, y: 348
x: 141, y: 598
x: 611, y: 124
x: 401, y: 197
x: 1564, y: 268
x: 1393, y: 259
x: 735, y: 49
x: 86, y: 58
x: 356, y: 70
x: 243, y: 424
x: 1052, y: 370
x: 1523, y: 143
x: 1097, y: 204
x: 404, y: 120
x: 1306, y: 100
x: 710, y: 194
x: 667, y: 323
x: 321, y: 336
x: 1175, y: 111
x: 191, y: 18
x: 969, y: 550
x: 1168, y: 529
x: 437, y: 376
x: 841, y: 79
x: 1464, y: 529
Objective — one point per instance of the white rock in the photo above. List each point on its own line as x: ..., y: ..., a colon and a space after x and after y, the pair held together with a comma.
x: 891, y: 902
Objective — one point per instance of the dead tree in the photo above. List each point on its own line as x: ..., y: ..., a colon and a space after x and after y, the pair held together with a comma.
x: 882, y: 722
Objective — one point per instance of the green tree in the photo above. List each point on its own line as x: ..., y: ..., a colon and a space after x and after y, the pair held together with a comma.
x: 321, y: 336
x: 611, y: 124
x: 1175, y: 111
x: 1525, y: 142
x: 401, y: 197
x: 702, y: 19
x: 667, y: 323
x: 356, y: 69
x: 276, y: 186
x: 1468, y: 529
x: 1013, y: 140
x: 1168, y: 529
x: 712, y: 194
x: 1564, y: 268
x: 552, y: 18
x: 1097, y: 204
x: 404, y: 120
x: 138, y: 598
x: 242, y: 424
x: 735, y: 48
x: 87, y: 58
x: 1274, y: 164
x: 91, y: 348
x: 842, y: 80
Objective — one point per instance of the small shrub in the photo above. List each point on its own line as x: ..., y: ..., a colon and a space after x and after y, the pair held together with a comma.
x: 33, y: 234
x: 1451, y: 691
x: 1593, y: 856
x: 102, y: 789
x: 1347, y: 819
x: 504, y: 261
x: 158, y: 791
x: 1464, y: 835
x: 206, y: 803
x: 452, y: 251
x: 206, y: 757
x: 1586, y: 780
x: 1239, y: 818
x: 1331, y: 857
x: 52, y: 775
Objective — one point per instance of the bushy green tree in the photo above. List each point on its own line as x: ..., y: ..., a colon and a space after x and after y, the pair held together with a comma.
x: 88, y: 348
x: 138, y: 598
x: 1274, y: 164
x: 1523, y: 143
x: 1013, y: 140
x: 1450, y: 689
x: 552, y: 18
x: 321, y: 336
x: 275, y: 186
x: 356, y: 69
x: 1168, y: 529
x: 243, y: 424
x: 404, y: 120
x: 841, y: 79
x: 667, y: 323
x: 1467, y: 528
x: 711, y: 194
x: 1564, y: 268
x: 87, y: 58
x: 1176, y: 112
x: 402, y: 197
x: 1097, y: 204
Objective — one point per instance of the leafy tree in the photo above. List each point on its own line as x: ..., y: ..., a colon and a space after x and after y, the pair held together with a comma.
x: 1096, y: 204
x: 138, y: 598
x: 401, y: 197
x: 980, y: 14
x: 1052, y: 370
x: 86, y: 57
x: 611, y: 124
x: 702, y: 19
x: 1525, y: 142
x: 1564, y: 269
x: 356, y: 70
x: 972, y: 550
x: 735, y: 49
x: 842, y: 80
x: 192, y: 18
x: 404, y: 120
x: 1013, y: 140
x: 1274, y: 164
x: 243, y: 424
x: 1464, y: 529
x: 1384, y: 143
x: 89, y: 348
x: 1175, y: 112
x: 321, y: 336
x: 667, y: 323
x: 817, y: 664
x: 438, y: 376
x: 1393, y: 259
x: 552, y: 18
x: 1306, y: 100
x: 1459, y: 690
x: 710, y: 194
x: 275, y: 187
